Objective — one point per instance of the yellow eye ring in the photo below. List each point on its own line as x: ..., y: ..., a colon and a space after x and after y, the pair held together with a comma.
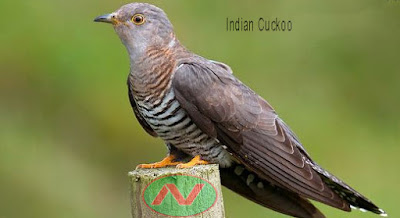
x: 138, y: 19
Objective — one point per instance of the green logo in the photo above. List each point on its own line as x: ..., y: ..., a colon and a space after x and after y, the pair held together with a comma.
x: 179, y: 195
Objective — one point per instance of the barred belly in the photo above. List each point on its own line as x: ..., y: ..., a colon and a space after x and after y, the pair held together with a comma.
x: 174, y: 126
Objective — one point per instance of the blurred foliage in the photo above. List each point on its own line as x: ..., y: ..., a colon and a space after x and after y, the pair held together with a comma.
x: 68, y: 136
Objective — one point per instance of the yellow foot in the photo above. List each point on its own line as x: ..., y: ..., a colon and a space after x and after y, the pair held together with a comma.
x: 195, y: 161
x: 167, y: 161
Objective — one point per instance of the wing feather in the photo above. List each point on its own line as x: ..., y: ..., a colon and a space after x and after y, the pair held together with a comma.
x: 226, y: 109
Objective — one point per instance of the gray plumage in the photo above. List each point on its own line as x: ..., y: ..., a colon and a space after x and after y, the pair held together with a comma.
x: 199, y: 108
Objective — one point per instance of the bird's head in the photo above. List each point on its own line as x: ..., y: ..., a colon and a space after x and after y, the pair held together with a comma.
x: 140, y: 25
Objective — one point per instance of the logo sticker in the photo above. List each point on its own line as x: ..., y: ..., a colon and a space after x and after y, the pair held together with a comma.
x: 179, y: 195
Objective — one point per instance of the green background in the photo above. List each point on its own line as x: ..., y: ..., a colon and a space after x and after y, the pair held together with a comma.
x: 68, y: 136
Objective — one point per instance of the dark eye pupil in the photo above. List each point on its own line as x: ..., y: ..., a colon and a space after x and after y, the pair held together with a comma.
x: 138, y: 19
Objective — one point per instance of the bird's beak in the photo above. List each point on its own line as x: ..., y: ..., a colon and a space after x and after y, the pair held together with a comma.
x: 106, y: 18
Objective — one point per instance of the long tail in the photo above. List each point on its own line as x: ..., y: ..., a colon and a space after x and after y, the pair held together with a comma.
x: 354, y: 198
x: 247, y: 184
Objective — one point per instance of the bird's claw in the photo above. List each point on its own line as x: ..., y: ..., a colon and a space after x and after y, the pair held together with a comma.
x: 167, y: 161
x: 195, y: 161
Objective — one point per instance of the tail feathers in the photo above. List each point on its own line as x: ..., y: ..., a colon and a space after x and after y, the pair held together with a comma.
x: 247, y: 184
x: 355, y: 199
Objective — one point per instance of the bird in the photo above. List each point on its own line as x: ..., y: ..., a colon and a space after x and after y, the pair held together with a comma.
x: 205, y: 115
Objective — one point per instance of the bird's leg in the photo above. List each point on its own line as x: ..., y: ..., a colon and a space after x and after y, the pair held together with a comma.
x: 167, y: 161
x: 195, y: 161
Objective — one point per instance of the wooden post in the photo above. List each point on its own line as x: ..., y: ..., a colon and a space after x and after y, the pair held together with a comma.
x: 169, y: 192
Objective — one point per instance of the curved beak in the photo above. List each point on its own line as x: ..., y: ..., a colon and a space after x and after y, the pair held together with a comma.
x: 106, y: 18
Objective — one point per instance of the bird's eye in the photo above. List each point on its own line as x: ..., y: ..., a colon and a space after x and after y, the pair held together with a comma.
x: 138, y: 19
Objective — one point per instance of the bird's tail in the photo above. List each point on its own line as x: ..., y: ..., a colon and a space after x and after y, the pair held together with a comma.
x: 355, y: 199
x: 238, y: 179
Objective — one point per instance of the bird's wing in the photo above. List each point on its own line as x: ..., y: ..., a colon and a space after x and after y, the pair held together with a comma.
x: 226, y: 109
x: 139, y: 117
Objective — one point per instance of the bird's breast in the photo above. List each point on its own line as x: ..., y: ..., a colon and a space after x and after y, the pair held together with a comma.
x: 171, y: 123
